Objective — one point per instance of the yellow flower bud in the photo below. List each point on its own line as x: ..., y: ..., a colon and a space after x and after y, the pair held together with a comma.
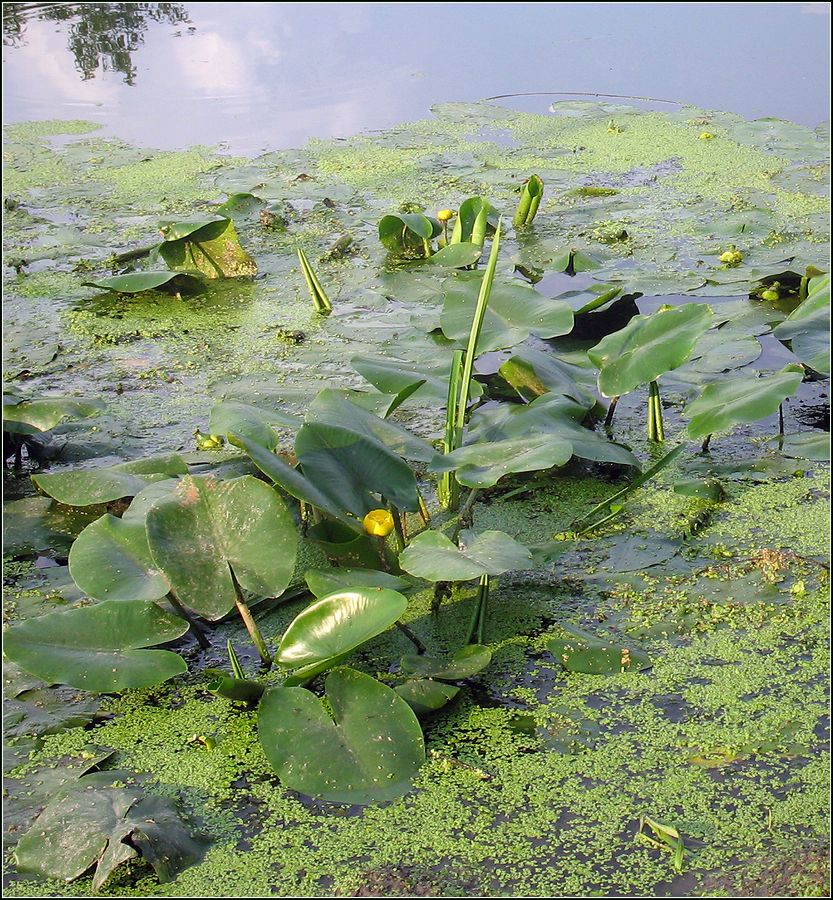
x: 445, y: 214
x: 378, y: 522
x: 731, y: 258
x: 706, y: 136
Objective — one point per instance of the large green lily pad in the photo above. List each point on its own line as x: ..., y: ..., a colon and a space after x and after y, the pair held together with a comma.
x: 807, y: 328
x: 745, y: 398
x: 433, y: 556
x: 207, y: 526
x: 45, y: 413
x: 338, y: 623
x: 106, y: 827
x: 648, y: 346
x: 368, y: 751
x: 110, y: 560
x: 98, y: 648
x: 86, y: 487
x: 208, y: 245
x: 515, y: 310
x: 352, y: 467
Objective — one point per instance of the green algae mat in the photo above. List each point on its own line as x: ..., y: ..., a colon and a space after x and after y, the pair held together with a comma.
x: 443, y: 511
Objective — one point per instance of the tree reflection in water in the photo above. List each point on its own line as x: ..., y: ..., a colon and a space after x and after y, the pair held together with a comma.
x: 100, y: 35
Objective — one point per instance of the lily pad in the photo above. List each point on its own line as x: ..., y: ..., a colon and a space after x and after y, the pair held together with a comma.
x: 807, y: 328
x: 45, y: 413
x: 137, y: 282
x: 648, y: 346
x: 106, y: 827
x: 596, y: 657
x: 515, y: 310
x: 207, y: 526
x: 425, y: 696
x: 464, y: 663
x: 110, y: 560
x: 208, y: 245
x: 352, y: 467
x: 338, y: 623
x: 98, y: 648
x: 248, y: 421
x: 431, y: 555
x: 741, y: 399
x: 483, y: 464
x: 85, y: 487
x: 369, y: 751
x: 335, y: 580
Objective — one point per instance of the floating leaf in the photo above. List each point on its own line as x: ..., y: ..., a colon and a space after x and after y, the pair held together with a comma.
x: 807, y: 328
x: 391, y: 375
x: 207, y: 245
x: 407, y: 234
x: 484, y: 464
x: 186, y: 282
x: 208, y: 525
x: 806, y: 445
x: 648, y: 346
x: 462, y: 664
x: 425, y: 696
x: 105, y: 828
x: 595, y: 657
x: 251, y: 422
x: 431, y: 555
x: 515, y: 310
x: 335, y: 580
x: 329, y: 408
x: 350, y: 466
x: 370, y: 753
x: 741, y: 399
x: 98, y: 648
x: 45, y: 413
x: 701, y: 488
x: 110, y: 560
x: 338, y: 623
x: 85, y: 487
x: 457, y: 256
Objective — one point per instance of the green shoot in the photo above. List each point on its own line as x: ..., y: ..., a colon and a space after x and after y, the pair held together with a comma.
x: 531, y: 195
x: 320, y: 300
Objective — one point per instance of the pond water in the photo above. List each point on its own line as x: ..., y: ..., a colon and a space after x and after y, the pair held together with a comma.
x: 259, y: 76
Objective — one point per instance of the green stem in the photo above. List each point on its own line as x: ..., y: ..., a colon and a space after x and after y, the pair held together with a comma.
x: 483, y: 597
x: 656, y: 430
x: 474, y: 334
x: 610, y: 411
x: 478, y: 615
x: 198, y: 633
x: 249, y: 622
x: 706, y: 442
x: 462, y: 521
x: 420, y: 647
x: 447, y: 487
x: 397, y: 525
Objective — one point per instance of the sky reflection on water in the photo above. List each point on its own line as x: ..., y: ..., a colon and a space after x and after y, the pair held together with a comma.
x: 261, y: 76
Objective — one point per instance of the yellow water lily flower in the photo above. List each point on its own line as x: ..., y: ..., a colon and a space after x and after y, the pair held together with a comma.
x: 706, y: 136
x: 378, y: 522
x: 445, y: 214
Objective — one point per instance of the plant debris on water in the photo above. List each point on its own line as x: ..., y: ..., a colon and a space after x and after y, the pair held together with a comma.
x: 418, y: 513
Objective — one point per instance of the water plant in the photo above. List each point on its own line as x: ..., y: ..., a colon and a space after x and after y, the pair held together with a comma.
x: 531, y: 195
x: 647, y: 347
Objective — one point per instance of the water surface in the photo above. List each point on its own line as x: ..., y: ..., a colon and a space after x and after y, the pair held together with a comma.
x: 261, y: 76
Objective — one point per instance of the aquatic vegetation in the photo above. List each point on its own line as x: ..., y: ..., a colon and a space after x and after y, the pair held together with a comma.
x: 531, y: 195
x: 473, y: 379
